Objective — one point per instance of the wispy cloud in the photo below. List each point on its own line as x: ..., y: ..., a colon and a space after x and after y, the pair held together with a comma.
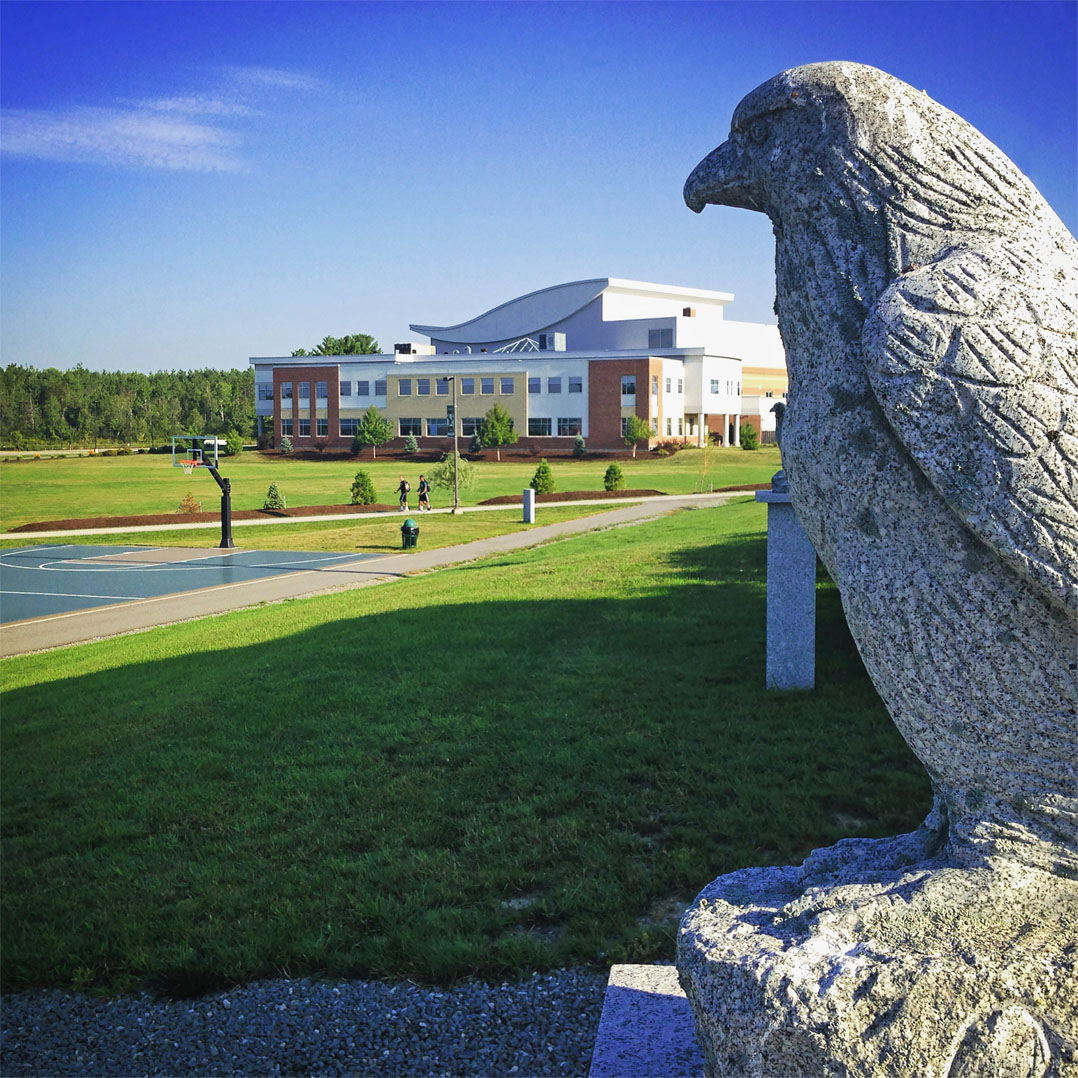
x: 181, y: 132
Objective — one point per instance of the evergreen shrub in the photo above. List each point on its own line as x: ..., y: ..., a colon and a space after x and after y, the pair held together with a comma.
x: 363, y: 489
x: 543, y: 480
x: 274, y: 498
x: 614, y: 478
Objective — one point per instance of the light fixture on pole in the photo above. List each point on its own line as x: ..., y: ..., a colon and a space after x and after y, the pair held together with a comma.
x: 452, y: 417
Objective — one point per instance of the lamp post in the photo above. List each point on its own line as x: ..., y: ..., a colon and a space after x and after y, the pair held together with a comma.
x: 456, y: 456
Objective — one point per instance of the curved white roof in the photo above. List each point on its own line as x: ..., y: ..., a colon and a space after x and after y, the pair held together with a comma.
x: 528, y: 314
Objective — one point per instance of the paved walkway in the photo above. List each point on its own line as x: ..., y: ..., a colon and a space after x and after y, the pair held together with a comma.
x: 41, y: 634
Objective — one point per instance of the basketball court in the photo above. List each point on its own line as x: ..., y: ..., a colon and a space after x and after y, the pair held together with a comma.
x: 49, y: 581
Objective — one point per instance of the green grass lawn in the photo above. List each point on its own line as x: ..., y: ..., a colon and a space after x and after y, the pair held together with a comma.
x: 516, y: 764
x: 62, y: 487
x: 379, y: 532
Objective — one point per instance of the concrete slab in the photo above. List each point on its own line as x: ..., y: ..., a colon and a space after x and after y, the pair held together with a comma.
x: 646, y: 1028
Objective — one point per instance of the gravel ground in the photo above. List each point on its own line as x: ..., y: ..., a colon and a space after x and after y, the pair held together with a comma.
x: 545, y: 1025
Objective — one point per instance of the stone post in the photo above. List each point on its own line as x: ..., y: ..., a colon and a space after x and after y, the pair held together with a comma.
x: 791, y: 596
x: 529, y: 506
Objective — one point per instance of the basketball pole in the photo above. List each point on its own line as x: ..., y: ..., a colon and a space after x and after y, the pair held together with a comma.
x: 226, y: 507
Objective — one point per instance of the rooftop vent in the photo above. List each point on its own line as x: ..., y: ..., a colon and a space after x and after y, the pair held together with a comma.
x: 551, y: 342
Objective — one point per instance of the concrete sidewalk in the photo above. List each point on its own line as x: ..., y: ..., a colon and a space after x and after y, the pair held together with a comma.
x: 41, y: 634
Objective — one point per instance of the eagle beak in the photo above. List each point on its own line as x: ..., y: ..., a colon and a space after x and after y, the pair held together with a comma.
x: 721, y: 180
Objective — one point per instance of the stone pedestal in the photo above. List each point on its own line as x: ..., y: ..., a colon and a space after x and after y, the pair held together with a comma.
x: 791, y: 597
x: 529, y: 506
x: 873, y: 960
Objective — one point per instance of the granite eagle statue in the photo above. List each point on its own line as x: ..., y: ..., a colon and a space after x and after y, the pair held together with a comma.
x: 927, y: 297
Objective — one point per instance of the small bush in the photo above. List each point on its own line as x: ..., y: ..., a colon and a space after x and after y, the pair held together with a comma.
x: 286, y: 444
x: 274, y: 498
x: 614, y: 478
x: 189, y: 504
x: 265, y: 439
x: 441, y: 474
x: 233, y: 444
x: 749, y: 438
x: 363, y: 490
x: 476, y: 444
x: 411, y: 445
x: 580, y: 447
x: 543, y: 480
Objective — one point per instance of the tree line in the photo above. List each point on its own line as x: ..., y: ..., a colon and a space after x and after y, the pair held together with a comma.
x: 55, y: 409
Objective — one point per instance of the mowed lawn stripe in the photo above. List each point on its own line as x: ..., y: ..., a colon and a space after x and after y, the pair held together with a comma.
x: 513, y: 765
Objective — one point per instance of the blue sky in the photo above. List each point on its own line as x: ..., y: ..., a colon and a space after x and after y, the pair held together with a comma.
x: 189, y: 184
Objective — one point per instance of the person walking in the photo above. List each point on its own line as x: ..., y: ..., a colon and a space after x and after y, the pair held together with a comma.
x: 402, y: 490
x: 424, y: 494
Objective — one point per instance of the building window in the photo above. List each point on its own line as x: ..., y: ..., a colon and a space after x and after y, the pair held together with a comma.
x: 660, y: 338
x: 438, y: 428
x: 768, y: 393
x: 470, y: 425
x: 681, y: 425
x: 553, y: 385
x: 380, y: 387
x: 349, y: 427
x: 569, y: 427
x: 321, y: 427
x: 346, y: 389
x: 654, y: 385
x: 535, y: 385
x: 305, y: 428
x: 286, y: 391
x: 539, y: 428
x: 363, y: 389
x: 486, y: 386
x: 624, y: 425
x: 442, y: 386
x: 739, y: 387
x: 411, y: 426
x: 654, y: 425
x: 669, y: 426
x: 680, y: 386
x: 404, y: 387
x: 286, y: 428
x: 305, y: 391
x: 422, y: 387
x: 668, y: 385
x: 715, y: 385
x: 265, y: 391
x: 576, y: 384
x: 467, y: 386
x: 321, y: 391
x: 507, y: 386
x: 628, y: 385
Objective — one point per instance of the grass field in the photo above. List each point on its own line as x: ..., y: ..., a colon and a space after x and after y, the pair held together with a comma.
x: 513, y: 765
x: 379, y: 532
x: 62, y: 487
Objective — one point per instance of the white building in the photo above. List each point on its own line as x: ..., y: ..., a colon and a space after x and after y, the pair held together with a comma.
x: 576, y: 358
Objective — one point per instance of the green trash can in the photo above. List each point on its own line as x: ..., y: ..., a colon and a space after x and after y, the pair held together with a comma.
x: 409, y: 534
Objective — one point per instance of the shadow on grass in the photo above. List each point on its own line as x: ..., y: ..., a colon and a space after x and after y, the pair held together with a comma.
x: 438, y: 792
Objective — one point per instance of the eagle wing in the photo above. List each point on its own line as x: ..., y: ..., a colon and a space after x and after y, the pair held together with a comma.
x: 974, y: 360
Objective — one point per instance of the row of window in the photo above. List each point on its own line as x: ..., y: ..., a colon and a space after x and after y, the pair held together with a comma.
x: 321, y: 428
x: 422, y: 386
x: 321, y: 391
x: 567, y: 427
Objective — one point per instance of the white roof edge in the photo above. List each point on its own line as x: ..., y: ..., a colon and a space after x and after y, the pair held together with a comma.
x: 603, y: 284
x: 705, y: 294
x: 602, y: 281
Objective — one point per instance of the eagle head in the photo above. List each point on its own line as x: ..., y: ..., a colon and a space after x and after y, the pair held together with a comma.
x: 854, y: 144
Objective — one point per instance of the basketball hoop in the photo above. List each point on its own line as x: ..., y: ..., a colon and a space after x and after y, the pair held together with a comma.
x: 188, y: 466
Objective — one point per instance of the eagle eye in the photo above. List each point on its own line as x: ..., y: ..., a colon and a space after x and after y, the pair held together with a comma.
x: 758, y: 131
